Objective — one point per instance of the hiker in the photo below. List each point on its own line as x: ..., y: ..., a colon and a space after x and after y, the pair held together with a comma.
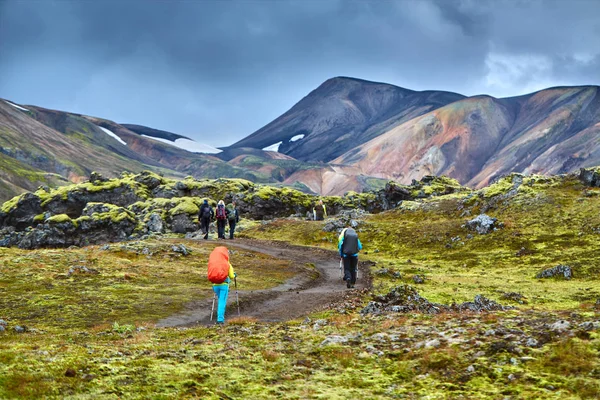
x: 348, y: 246
x: 319, y: 211
x: 220, y: 273
x: 233, y: 217
x: 205, y: 216
x: 221, y: 215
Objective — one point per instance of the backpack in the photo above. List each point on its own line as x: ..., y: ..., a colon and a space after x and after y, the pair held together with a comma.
x: 206, y: 212
x: 350, y: 245
x: 231, y: 214
x: 218, y: 265
x: 221, y: 214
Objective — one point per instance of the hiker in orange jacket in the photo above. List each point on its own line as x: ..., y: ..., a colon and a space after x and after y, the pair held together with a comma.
x: 219, y: 259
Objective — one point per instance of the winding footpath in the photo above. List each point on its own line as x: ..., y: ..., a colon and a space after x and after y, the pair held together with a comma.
x: 309, y: 291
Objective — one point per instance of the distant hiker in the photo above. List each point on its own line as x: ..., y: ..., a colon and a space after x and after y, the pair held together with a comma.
x: 319, y: 211
x: 348, y: 246
x: 220, y: 273
x: 221, y: 215
x: 233, y: 217
x: 205, y: 215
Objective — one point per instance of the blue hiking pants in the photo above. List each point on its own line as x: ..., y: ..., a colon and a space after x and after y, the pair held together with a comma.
x: 222, y: 291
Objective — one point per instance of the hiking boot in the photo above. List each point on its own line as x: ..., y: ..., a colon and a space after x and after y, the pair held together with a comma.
x: 220, y: 322
x: 348, y: 285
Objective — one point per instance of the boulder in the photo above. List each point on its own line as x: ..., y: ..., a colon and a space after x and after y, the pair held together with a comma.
x: 155, y: 223
x: 560, y: 271
x: 183, y: 223
x: 393, y: 193
x: 148, y: 179
x: 405, y: 299
x: 590, y: 176
x: 22, y: 213
x: 483, y: 224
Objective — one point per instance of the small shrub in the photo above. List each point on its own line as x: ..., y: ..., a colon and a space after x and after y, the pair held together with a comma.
x: 122, y: 329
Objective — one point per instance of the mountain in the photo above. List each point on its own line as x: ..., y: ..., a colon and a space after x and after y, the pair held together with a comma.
x: 341, y: 114
x: 478, y: 139
x: 346, y: 135
x: 39, y: 146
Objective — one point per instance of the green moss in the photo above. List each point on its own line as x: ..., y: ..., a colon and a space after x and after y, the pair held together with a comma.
x: 61, y: 219
x: 7, y: 206
x: 115, y: 214
x: 39, y: 218
x: 186, y: 205
x: 410, y: 205
x: 266, y: 192
x: 502, y: 186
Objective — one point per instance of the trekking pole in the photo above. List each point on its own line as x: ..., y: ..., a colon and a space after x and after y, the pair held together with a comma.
x: 212, y: 310
x: 341, y: 264
x: 236, y: 295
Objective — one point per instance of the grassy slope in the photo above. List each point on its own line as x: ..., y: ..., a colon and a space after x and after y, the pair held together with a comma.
x: 554, y: 223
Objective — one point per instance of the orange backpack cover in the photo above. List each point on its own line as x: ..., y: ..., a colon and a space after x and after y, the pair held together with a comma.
x: 218, y: 265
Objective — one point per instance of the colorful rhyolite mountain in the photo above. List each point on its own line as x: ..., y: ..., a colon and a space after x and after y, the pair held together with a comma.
x: 382, y: 131
x: 348, y: 134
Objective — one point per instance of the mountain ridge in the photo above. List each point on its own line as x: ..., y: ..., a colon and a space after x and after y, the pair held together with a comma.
x: 348, y: 134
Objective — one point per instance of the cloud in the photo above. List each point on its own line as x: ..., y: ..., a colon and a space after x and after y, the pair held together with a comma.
x: 218, y: 70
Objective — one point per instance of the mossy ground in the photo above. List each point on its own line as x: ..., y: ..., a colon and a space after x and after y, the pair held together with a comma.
x: 77, y: 351
x: 546, y: 222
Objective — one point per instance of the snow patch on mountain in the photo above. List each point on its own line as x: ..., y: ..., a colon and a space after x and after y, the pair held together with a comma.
x: 188, y: 145
x: 16, y: 106
x: 297, y: 137
x: 112, y: 134
x: 273, y: 147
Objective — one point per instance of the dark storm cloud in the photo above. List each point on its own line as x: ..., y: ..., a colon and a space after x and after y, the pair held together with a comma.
x: 217, y: 71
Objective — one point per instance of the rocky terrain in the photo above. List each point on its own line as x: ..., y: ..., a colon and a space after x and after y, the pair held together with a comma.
x: 136, y: 205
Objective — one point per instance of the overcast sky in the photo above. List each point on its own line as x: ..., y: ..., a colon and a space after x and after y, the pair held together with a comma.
x: 218, y: 70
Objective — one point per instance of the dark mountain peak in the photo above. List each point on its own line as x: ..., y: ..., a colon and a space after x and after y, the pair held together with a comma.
x: 342, y: 113
x: 348, y: 84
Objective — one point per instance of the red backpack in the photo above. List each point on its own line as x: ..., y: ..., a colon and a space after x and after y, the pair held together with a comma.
x: 221, y: 214
x: 218, y: 265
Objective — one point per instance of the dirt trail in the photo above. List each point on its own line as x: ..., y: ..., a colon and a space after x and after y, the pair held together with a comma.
x: 308, y: 291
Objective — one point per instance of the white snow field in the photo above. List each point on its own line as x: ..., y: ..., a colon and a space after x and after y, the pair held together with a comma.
x: 16, y: 106
x: 112, y: 134
x: 188, y: 145
x: 273, y: 147
x: 297, y: 137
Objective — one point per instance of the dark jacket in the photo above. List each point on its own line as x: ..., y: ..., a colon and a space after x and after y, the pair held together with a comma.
x: 210, y: 211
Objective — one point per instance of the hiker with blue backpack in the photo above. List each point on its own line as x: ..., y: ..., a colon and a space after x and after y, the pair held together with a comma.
x: 220, y: 273
x: 348, y: 246
x: 221, y: 216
